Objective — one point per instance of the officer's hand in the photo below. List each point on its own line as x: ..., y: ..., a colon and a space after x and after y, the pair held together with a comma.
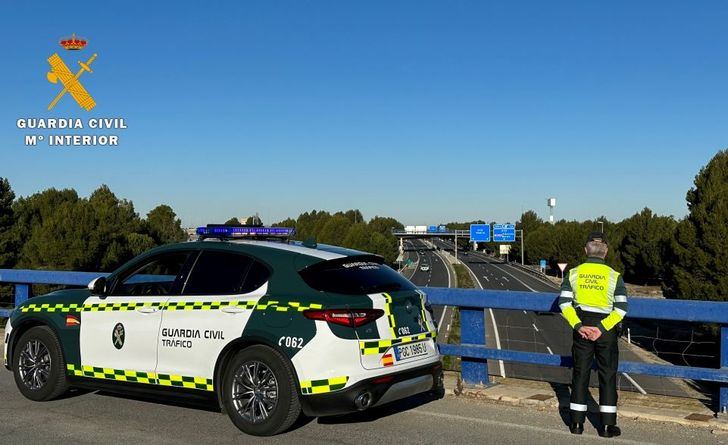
x: 585, y: 333
x: 595, y: 334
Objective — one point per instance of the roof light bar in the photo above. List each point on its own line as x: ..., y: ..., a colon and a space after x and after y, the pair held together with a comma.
x: 244, y: 232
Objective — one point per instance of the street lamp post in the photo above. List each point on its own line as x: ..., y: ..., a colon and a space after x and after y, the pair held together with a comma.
x: 521, y: 230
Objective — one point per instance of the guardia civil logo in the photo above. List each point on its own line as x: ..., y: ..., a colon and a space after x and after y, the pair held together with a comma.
x: 118, y: 335
x: 71, y: 82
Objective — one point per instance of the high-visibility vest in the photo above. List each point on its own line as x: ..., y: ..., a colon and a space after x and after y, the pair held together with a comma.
x: 593, y: 285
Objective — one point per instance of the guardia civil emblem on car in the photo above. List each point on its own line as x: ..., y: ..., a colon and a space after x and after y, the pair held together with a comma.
x: 118, y: 336
x: 266, y: 326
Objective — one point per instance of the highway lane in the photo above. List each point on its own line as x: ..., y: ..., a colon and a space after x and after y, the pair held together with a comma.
x: 546, y: 333
x: 437, y: 275
x: 101, y: 417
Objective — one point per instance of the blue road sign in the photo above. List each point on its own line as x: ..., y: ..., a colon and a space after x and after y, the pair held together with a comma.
x: 480, y: 233
x: 542, y: 264
x: 431, y: 229
x: 442, y: 229
x: 504, y: 233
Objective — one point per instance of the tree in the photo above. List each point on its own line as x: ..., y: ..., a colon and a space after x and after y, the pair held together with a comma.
x: 164, y: 226
x: 645, y: 242
x: 335, y: 230
x: 234, y: 221
x: 7, y: 219
x: 698, y: 261
x: 384, y: 225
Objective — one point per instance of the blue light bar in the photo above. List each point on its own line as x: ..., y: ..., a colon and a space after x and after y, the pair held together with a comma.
x: 245, y: 232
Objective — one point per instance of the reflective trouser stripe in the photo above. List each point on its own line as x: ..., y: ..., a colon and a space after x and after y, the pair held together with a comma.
x: 577, y: 407
x: 607, y: 409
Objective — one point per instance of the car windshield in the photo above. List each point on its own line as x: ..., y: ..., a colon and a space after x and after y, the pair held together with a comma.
x: 355, y: 276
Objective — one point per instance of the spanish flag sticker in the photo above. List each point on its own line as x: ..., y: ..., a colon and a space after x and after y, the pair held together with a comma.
x: 387, y: 360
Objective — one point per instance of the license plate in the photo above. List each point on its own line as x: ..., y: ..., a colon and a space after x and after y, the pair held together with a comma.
x: 411, y: 350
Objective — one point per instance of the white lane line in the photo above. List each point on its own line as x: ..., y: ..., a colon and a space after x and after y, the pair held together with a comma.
x: 486, y: 278
x: 517, y: 426
x: 633, y: 382
x: 505, y: 278
x: 501, y: 366
x: 449, y: 284
x: 516, y: 278
x: 550, y: 351
x: 534, y: 326
x: 442, y: 318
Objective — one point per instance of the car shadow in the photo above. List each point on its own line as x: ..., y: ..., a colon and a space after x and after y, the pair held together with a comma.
x: 385, y: 410
x: 169, y: 400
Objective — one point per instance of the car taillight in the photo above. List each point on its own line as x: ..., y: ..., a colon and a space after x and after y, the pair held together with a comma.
x: 352, y: 318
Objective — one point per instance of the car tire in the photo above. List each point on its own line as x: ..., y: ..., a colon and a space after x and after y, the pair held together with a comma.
x: 239, y: 386
x: 38, y: 365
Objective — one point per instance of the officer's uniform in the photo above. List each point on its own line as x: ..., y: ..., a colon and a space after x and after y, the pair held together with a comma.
x: 593, y: 294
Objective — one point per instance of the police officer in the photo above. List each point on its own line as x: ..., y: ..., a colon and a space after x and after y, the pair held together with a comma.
x: 594, y: 301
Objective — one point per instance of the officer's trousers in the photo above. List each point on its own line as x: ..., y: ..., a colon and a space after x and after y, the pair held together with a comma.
x: 606, y: 351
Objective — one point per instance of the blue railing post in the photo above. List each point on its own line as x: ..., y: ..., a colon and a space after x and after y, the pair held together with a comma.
x: 474, y: 371
x: 22, y: 293
x: 723, y: 392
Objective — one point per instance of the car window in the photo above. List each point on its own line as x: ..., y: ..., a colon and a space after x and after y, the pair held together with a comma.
x: 354, y: 276
x: 225, y: 273
x: 155, y: 277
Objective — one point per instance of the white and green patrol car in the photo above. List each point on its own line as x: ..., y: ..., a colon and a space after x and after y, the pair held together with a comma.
x: 270, y: 329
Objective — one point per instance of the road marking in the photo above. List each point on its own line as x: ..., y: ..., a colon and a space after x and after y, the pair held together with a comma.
x: 550, y: 351
x: 633, y: 382
x: 515, y: 277
x: 442, y: 318
x: 517, y: 426
x: 534, y: 326
x: 486, y: 278
x: 505, y: 278
x: 501, y: 366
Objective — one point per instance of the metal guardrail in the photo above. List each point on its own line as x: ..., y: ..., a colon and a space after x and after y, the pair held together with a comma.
x: 472, y: 348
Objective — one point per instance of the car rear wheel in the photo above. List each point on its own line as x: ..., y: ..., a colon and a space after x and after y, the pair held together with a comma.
x: 38, y: 365
x: 259, y: 391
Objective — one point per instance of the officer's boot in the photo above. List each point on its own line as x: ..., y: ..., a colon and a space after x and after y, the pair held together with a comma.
x: 610, y: 431
x: 576, y: 428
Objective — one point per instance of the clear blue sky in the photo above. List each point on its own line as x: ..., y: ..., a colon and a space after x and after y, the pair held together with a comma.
x: 425, y: 111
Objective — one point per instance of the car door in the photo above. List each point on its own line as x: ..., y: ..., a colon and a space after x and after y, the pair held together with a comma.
x: 119, y: 331
x: 217, y: 301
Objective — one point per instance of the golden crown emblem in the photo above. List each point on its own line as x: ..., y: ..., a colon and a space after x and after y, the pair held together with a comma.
x: 73, y: 43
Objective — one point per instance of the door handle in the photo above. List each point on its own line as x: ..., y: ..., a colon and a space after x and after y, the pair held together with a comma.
x: 147, y: 309
x: 233, y: 309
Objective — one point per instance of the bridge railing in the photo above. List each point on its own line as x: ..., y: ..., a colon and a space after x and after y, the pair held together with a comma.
x: 472, y: 348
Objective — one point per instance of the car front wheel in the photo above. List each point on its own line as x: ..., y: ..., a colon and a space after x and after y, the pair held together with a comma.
x: 259, y: 392
x: 38, y: 365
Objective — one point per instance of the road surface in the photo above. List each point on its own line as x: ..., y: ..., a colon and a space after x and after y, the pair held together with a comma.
x: 93, y: 418
x: 438, y: 275
x: 546, y: 333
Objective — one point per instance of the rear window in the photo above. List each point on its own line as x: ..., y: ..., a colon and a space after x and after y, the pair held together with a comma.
x: 354, y: 275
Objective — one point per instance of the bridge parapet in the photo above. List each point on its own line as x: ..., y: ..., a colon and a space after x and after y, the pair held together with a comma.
x: 471, y: 303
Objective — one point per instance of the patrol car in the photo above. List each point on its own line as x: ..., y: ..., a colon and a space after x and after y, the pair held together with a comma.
x: 269, y: 328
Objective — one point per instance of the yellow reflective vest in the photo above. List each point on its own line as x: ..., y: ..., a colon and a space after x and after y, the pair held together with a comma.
x: 593, y: 287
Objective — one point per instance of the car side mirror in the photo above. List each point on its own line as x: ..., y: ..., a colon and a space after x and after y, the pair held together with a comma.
x: 98, y: 286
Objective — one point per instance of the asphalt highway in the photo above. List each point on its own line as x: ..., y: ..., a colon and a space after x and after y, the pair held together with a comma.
x: 437, y: 275
x: 542, y: 332
x: 101, y: 417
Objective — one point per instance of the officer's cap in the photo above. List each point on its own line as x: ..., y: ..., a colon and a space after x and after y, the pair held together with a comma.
x: 597, y: 236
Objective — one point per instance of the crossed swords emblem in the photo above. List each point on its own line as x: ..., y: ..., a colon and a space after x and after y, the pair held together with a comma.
x: 60, y: 71
x: 119, y: 336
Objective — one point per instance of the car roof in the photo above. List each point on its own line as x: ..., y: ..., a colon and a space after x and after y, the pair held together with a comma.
x: 321, y: 252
